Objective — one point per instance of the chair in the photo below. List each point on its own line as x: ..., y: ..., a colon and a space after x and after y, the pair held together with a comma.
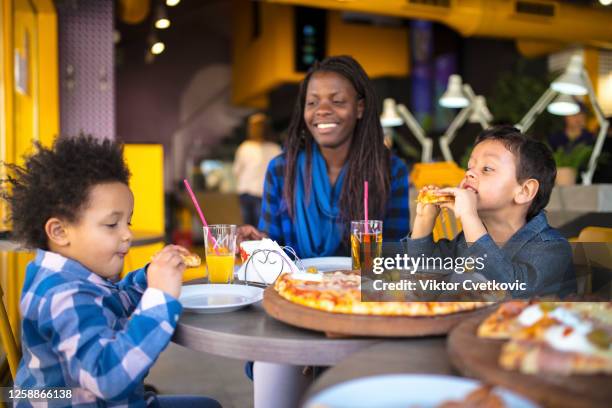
x: 595, y: 234
x: 13, y: 353
x: 593, y: 256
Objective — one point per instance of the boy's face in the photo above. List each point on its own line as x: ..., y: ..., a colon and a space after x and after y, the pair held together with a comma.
x: 491, y: 174
x: 101, y: 238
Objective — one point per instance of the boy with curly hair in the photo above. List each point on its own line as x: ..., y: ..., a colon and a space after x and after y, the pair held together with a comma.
x: 83, y: 328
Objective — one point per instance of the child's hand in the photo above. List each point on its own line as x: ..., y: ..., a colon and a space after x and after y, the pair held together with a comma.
x: 429, y: 211
x: 465, y: 205
x: 247, y: 232
x: 166, y: 269
x: 425, y: 216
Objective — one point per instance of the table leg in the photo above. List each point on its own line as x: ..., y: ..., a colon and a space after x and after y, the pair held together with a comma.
x: 278, y: 385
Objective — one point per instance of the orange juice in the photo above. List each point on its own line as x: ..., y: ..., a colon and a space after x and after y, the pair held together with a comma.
x: 220, y: 268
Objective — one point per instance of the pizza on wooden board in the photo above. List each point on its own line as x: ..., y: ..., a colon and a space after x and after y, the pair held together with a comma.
x: 339, y: 292
x: 553, y: 337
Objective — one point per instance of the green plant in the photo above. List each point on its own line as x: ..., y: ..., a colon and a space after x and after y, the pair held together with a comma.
x: 515, y: 92
x: 575, y: 158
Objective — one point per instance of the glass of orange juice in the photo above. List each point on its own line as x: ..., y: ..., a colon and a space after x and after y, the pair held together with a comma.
x: 220, y: 250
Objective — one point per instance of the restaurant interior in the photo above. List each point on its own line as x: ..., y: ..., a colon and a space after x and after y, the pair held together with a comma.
x: 183, y: 83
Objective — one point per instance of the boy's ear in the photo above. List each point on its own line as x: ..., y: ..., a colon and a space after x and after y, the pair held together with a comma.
x: 56, y: 231
x: 527, y: 192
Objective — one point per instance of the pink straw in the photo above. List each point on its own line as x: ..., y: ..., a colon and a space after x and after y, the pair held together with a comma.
x: 365, y: 205
x: 197, y: 206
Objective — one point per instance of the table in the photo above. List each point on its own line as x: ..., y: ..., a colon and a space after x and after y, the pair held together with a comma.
x: 280, y: 351
x: 415, y: 355
x: 250, y: 334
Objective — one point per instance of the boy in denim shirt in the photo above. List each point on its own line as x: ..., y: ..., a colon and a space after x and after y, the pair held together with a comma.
x: 500, y: 204
x: 83, y: 328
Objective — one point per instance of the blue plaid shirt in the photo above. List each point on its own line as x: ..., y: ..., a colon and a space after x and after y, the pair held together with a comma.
x: 89, y: 334
x: 276, y: 222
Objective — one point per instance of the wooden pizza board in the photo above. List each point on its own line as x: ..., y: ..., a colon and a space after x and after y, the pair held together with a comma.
x: 477, y: 357
x: 344, y: 325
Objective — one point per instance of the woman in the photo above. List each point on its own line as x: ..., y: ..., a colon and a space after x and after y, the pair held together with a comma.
x: 335, y: 142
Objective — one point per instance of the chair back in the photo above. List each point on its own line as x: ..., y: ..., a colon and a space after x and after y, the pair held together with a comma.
x: 593, y: 255
x: 595, y: 234
x: 13, y: 353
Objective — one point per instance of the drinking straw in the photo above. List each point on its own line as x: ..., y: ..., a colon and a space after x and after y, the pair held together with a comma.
x: 365, y: 205
x: 197, y: 206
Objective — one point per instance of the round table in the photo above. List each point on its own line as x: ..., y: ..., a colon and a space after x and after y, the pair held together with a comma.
x: 250, y: 334
x: 280, y: 351
x: 417, y: 355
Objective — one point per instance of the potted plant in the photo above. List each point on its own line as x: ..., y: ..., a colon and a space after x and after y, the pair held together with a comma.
x: 569, y: 162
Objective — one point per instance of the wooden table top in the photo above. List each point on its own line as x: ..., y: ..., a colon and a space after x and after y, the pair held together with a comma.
x: 416, y: 355
x: 250, y: 334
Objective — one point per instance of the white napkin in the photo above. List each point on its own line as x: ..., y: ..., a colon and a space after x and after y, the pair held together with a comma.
x: 269, y: 261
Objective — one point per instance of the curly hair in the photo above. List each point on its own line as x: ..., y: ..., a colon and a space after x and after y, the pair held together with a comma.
x: 56, y: 181
x: 534, y: 160
x: 368, y: 158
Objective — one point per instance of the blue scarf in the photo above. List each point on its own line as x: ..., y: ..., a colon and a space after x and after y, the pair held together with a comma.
x: 318, y: 230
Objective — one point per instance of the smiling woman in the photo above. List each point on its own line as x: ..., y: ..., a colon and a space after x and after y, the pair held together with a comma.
x: 335, y: 143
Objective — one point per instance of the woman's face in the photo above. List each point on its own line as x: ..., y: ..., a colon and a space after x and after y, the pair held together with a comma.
x: 331, y: 110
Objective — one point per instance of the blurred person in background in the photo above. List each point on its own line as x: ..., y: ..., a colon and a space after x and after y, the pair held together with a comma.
x: 573, y: 133
x: 250, y: 164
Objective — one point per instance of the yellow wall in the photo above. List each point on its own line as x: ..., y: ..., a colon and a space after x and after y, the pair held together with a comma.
x: 261, y: 64
x: 146, y: 164
x: 28, y: 29
x: 570, y: 23
x: 382, y: 51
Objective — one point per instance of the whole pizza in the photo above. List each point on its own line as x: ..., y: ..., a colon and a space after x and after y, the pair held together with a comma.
x: 339, y: 292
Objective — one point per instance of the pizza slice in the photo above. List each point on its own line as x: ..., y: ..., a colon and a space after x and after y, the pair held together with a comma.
x: 503, y: 322
x: 430, y: 197
x: 191, y: 260
x: 567, y: 341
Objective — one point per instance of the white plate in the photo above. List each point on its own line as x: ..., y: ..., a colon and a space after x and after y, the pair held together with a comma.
x: 405, y: 391
x: 218, y: 298
x: 328, y: 263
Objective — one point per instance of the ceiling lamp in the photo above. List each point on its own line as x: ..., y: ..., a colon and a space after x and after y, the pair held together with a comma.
x: 454, y: 96
x: 389, y: 117
x: 161, y: 19
x: 563, y: 105
x: 572, y: 80
x: 157, y: 48
x: 172, y: 3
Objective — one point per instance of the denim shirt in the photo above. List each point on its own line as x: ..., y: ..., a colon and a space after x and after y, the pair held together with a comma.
x: 536, y: 254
